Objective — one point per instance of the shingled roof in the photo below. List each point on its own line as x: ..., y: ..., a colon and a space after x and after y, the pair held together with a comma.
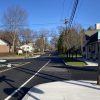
x: 5, y: 41
x: 90, y: 32
x: 93, y: 38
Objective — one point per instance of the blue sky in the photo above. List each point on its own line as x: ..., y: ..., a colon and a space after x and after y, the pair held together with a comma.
x: 43, y: 12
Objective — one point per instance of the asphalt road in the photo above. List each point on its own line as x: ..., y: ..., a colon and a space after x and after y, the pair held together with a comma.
x: 55, y: 70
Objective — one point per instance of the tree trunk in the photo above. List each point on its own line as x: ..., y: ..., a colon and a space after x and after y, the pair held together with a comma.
x: 13, y: 47
x: 76, y: 54
x: 72, y: 54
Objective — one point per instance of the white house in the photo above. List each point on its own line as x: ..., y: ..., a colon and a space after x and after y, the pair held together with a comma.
x: 27, y: 48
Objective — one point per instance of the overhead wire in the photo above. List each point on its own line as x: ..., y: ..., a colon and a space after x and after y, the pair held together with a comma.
x: 70, y: 20
x: 79, y: 8
x: 75, y: 5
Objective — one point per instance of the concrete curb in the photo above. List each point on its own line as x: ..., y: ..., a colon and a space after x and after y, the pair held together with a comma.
x: 7, y: 58
x: 87, y: 63
x: 87, y: 67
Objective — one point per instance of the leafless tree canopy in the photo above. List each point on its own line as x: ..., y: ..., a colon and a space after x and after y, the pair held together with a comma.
x: 42, y: 40
x: 14, y: 19
x: 26, y: 35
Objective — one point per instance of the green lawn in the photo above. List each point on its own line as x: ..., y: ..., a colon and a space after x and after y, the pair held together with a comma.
x: 72, y: 62
x: 74, y: 56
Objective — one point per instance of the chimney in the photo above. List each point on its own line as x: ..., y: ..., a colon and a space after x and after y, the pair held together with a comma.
x: 97, y: 26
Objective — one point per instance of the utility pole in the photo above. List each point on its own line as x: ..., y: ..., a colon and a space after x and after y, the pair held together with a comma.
x: 98, y: 77
x: 65, y: 34
x: 75, y: 5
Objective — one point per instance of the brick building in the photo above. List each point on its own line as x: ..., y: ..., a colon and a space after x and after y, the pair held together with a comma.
x: 5, y: 47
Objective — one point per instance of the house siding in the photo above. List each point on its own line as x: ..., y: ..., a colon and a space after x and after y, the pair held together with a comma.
x: 4, y: 49
x: 27, y: 48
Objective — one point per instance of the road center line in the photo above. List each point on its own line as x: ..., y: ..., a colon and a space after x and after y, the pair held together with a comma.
x: 26, y: 81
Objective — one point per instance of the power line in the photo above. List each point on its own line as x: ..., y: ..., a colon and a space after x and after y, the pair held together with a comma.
x: 40, y: 24
x: 35, y: 24
x: 73, y: 12
x: 79, y: 8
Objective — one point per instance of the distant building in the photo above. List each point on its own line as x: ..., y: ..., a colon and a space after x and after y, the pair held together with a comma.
x: 5, y: 47
x: 27, y: 48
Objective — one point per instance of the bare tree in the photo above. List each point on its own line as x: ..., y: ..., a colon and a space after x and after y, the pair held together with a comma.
x: 6, y: 36
x: 27, y: 35
x: 39, y: 44
x: 91, y: 28
x: 43, y: 35
x: 54, y: 39
x: 14, y: 19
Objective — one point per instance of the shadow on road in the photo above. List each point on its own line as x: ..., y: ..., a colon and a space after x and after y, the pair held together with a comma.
x: 18, y: 95
x: 6, y: 80
x: 11, y: 88
x: 82, y: 68
x: 44, y: 75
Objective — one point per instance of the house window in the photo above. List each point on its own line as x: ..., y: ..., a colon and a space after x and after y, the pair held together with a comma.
x: 83, y: 48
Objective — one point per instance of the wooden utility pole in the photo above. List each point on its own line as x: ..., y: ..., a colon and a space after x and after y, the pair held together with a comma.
x: 98, y: 77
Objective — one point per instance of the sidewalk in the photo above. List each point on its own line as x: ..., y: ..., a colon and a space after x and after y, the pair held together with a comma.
x: 20, y: 57
x: 65, y: 90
